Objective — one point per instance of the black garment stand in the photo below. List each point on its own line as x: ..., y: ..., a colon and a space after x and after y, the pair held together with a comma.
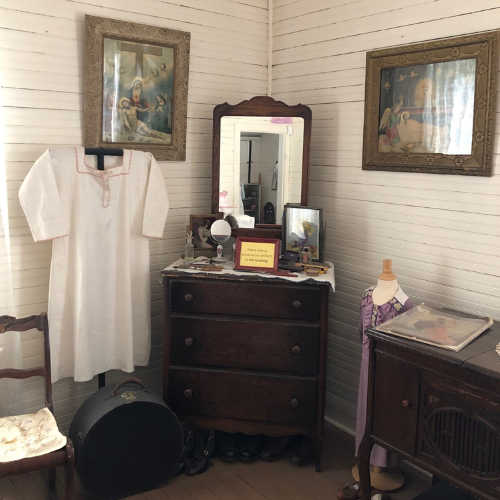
x: 101, y: 153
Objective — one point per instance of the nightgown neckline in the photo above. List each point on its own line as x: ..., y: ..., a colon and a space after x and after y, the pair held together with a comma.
x: 122, y: 169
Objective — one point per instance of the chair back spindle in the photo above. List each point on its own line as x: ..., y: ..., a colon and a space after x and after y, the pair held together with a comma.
x: 40, y: 322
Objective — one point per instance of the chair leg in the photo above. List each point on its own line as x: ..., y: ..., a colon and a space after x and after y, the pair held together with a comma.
x: 52, y: 484
x: 52, y: 479
x: 70, y: 471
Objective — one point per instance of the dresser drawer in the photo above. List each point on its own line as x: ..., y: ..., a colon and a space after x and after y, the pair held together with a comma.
x: 245, y: 299
x: 212, y: 393
x: 257, y: 345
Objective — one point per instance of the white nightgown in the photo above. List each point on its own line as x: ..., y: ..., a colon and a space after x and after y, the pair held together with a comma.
x: 100, y: 222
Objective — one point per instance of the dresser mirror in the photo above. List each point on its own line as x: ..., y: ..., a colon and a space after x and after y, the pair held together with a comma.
x: 221, y: 233
x: 260, y: 162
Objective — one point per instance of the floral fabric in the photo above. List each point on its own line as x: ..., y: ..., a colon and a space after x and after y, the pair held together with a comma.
x: 30, y: 435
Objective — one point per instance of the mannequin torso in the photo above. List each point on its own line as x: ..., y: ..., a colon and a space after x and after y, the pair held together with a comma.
x: 384, y: 291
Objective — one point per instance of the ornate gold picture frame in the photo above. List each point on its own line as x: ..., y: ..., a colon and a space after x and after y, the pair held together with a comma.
x: 136, y: 87
x: 431, y: 107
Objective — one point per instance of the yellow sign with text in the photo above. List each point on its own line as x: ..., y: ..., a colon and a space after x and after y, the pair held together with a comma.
x: 257, y: 254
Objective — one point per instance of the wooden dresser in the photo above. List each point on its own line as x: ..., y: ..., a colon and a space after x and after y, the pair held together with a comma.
x: 437, y: 409
x: 246, y: 354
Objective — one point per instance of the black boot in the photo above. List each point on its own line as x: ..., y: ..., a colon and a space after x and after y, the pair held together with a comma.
x: 304, y: 454
x: 199, y: 466
x: 187, y: 453
x: 227, y: 446
x: 250, y: 447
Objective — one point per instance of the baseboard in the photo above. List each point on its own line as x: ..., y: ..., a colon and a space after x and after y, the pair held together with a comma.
x: 340, y: 426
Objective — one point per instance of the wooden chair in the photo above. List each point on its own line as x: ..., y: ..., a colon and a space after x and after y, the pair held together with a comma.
x: 64, y: 456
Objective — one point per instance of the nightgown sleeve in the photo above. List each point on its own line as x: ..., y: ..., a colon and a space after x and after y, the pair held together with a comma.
x: 41, y: 202
x: 156, y: 209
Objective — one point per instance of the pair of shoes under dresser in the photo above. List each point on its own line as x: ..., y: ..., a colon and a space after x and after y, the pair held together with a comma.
x: 245, y: 353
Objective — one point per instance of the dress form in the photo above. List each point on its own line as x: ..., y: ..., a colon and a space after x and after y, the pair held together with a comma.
x: 387, y: 285
x: 385, y: 479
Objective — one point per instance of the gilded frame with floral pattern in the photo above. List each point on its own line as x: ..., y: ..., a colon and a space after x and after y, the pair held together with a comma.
x: 427, y: 112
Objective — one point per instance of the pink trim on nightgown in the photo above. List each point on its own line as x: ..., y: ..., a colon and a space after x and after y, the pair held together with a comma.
x: 54, y: 238
x: 104, y: 174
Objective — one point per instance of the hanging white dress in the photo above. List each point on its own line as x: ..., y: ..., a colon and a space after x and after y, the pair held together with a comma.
x: 100, y: 222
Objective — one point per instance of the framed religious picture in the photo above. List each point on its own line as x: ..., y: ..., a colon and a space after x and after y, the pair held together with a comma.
x: 431, y: 107
x: 303, y: 227
x: 136, y: 86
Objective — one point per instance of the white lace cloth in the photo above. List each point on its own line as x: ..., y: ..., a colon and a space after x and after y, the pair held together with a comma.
x: 328, y: 277
x: 30, y: 435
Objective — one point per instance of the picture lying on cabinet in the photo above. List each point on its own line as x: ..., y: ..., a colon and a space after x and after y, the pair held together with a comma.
x: 446, y: 328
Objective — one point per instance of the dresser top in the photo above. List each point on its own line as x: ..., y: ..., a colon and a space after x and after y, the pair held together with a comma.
x: 479, y: 355
x: 327, y: 279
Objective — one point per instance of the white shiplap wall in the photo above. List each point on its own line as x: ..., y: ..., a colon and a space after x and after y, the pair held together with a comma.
x: 442, y: 232
x: 41, y: 70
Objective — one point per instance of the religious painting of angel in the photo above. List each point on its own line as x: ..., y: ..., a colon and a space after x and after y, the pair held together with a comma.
x: 136, y: 87
x: 430, y: 107
x: 138, y: 84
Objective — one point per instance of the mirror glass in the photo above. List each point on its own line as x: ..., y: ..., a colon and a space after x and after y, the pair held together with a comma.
x: 220, y: 231
x: 260, y: 166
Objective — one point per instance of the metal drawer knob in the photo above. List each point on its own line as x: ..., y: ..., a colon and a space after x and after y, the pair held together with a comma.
x: 296, y: 304
x: 188, y: 297
x: 405, y: 403
x: 294, y: 403
x: 189, y: 342
x: 296, y: 349
x: 188, y: 393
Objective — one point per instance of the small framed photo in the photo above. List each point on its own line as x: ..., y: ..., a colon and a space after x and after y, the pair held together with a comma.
x: 200, y: 226
x: 303, y: 227
x: 257, y: 254
x: 136, y: 85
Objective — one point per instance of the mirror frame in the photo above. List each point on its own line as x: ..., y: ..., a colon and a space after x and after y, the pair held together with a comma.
x: 260, y: 106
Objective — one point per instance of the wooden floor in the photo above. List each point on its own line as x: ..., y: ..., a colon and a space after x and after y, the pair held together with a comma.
x: 237, y: 481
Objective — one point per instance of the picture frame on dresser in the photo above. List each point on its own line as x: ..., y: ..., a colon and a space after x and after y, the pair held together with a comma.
x: 200, y: 225
x: 136, y: 87
x: 303, y: 226
x: 431, y: 107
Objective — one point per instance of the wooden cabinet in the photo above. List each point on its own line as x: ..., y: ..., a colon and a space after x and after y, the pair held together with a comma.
x: 396, y: 391
x: 437, y: 409
x: 246, y: 354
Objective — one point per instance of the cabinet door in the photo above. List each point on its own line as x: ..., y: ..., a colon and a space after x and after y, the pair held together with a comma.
x: 395, y: 402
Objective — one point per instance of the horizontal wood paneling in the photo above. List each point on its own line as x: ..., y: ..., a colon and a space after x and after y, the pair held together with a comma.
x: 41, y: 71
x: 442, y: 232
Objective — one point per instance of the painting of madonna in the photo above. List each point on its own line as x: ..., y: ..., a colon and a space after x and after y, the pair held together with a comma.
x: 138, y: 87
